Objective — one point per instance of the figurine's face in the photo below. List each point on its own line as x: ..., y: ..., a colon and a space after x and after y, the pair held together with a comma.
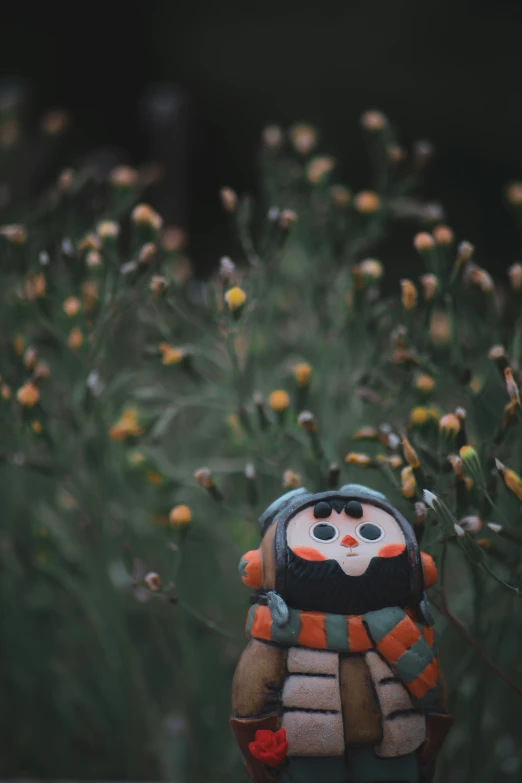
x: 351, y: 537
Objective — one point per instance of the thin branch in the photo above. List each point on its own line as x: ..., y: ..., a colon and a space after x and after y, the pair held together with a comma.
x: 442, y: 608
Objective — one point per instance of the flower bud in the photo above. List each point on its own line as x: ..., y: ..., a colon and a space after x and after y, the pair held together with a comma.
x: 471, y: 524
x: 408, y: 295
x: 306, y: 420
x: 303, y: 138
x: 302, y: 374
x: 374, y: 121
x: 424, y: 384
x: 28, y: 395
x: 424, y: 242
x: 366, y: 433
x: 511, y: 479
x: 279, y: 400
x: 291, y: 480
x: 75, y: 339
x: 235, y: 299
x: 153, y: 581
x: 228, y: 199
x: 272, y: 137
x: 341, y: 196
x: 287, y: 218
x: 204, y: 478
x: 515, y: 277
x: 318, y: 168
x: 361, y: 460
x: 367, y: 202
x: 430, y: 285
x: 144, y: 215
x: 410, y: 455
x: 449, y: 425
x: 408, y: 483
x: 514, y: 194
x: 511, y: 386
x: 443, y: 235
x: 180, y: 516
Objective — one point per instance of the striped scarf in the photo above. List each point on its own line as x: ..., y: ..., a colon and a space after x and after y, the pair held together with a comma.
x: 408, y: 647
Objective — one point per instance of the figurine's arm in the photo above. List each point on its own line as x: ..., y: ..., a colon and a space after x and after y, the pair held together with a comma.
x: 256, y: 701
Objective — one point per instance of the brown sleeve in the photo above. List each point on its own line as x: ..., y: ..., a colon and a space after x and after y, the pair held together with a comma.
x: 257, y: 683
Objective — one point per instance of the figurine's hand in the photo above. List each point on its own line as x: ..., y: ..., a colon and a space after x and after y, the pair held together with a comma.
x: 244, y: 731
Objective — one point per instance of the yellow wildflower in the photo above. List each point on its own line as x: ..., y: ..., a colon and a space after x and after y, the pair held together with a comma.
x: 302, y: 374
x: 28, y: 395
x: 361, y: 460
x: 180, y: 516
x: 424, y: 383
x: 366, y: 202
x: 279, y: 400
x: 235, y: 298
x: 408, y: 482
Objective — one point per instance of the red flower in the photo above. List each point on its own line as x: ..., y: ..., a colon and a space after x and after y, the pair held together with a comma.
x: 270, y: 747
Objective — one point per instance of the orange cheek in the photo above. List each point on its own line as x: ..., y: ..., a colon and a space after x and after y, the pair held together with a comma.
x: 309, y: 553
x: 391, y: 550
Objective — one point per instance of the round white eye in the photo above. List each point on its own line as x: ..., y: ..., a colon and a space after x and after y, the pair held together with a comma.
x: 370, y: 532
x: 324, y: 532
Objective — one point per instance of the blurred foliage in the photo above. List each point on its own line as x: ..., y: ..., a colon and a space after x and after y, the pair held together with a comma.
x: 148, y: 418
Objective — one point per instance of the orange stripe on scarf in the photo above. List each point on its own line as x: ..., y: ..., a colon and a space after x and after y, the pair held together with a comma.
x: 358, y: 639
x: 398, y: 640
x: 425, y: 681
x: 312, y: 632
x: 261, y: 627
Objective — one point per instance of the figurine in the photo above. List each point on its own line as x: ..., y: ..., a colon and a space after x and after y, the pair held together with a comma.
x: 340, y: 681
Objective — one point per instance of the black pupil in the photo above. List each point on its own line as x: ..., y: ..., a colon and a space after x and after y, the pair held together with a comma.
x: 324, y: 532
x: 370, y: 532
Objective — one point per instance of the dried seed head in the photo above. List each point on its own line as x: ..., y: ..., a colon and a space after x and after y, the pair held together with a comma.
x: 318, y: 168
x: 28, y: 395
x: 56, y: 122
x: 171, y: 355
x: 422, y: 151
x: 456, y: 464
x: 272, y: 137
x: 371, y: 268
x: 89, y: 242
x: 147, y: 253
x: 356, y: 458
x: 465, y: 253
x: 497, y: 352
x: 366, y: 433
x: 421, y: 512
x: 471, y: 524
x: 514, y: 194
x: 421, y: 415
x: 449, y: 425
x: 424, y: 383
x: 395, y: 154
x: 153, y: 581
x: 93, y: 259
x: 482, y: 279
x: 108, y: 229
x: 306, y: 420
x: 144, y: 215
x: 15, y: 233
x: 5, y: 392
x: 408, y: 482
x: 302, y: 374
x: 75, y: 339
x: 41, y: 372
x: 367, y: 202
x: 443, y: 235
x: 204, y: 478
x: 158, y: 284
x: 410, y: 455
x: 287, y: 218
x: 440, y: 328
x: 408, y: 294
x: 461, y: 413
x: 173, y: 239
x: 180, y: 516
x: 515, y: 276
x: 291, y: 480
x: 227, y: 268
x: 423, y: 242
x: 303, y: 138
x: 374, y: 120
x: 341, y: 196
x: 430, y: 286
x: 123, y: 177
x: 71, y: 306
x: 511, y: 386
x: 235, y: 298
x: 66, y: 180
x: 228, y: 199
x: 279, y: 400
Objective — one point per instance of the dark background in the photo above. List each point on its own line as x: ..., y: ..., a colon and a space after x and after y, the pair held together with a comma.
x: 450, y: 72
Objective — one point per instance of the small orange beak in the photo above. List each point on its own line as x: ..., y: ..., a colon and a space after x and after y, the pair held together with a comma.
x: 350, y: 541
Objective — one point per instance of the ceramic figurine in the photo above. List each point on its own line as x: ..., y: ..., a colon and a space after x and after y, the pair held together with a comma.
x: 340, y: 680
